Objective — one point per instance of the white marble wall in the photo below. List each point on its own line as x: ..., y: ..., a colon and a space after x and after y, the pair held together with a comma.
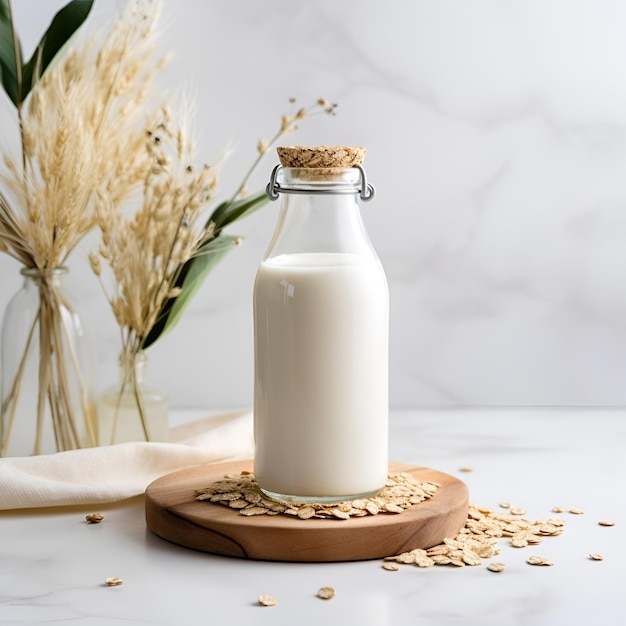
x: 497, y: 141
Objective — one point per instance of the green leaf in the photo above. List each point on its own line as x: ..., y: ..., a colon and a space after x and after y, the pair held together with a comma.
x: 64, y: 24
x: 8, y: 66
x: 196, y: 269
x: 228, y: 212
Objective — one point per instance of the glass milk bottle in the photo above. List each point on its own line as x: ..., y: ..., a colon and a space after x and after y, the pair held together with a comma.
x: 321, y: 320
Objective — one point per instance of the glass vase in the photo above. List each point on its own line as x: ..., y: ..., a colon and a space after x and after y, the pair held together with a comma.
x: 132, y: 410
x: 46, y: 401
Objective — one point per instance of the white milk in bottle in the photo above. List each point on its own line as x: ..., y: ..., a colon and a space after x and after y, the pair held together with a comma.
x: 321, y: 336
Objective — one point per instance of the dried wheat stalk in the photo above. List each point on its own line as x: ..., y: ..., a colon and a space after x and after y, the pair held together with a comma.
x: 147, y: 250
x: 81, y: 140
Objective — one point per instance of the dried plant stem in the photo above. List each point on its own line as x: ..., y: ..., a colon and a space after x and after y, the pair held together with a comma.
x: 140, y: 406
x: 59, y: 393
x: 126, y: 373
x: 14, y: 393
x: 82, y: 385
x: 128, y: 364
x: 58, y: 368
x: 44, y: 370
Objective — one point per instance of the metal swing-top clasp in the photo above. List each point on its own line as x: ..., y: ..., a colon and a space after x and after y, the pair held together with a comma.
x: 366, y: 191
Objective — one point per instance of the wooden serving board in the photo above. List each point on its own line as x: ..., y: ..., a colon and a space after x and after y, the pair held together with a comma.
x: 173, y: 513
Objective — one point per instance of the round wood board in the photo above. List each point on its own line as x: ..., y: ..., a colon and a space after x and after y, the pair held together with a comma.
x: 173, y: 513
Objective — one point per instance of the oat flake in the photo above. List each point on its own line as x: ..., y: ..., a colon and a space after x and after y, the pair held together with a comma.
x: 496, y: 567
x: 326, y: 593
x: 538, y: 560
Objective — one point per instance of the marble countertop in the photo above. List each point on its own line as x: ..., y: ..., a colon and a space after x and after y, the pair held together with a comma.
x: 53, y: 564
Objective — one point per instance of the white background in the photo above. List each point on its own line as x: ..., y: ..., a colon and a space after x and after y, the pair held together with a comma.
x: 496, y: 133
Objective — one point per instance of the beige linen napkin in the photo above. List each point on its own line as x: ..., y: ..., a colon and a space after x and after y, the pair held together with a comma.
x: 117, y: 472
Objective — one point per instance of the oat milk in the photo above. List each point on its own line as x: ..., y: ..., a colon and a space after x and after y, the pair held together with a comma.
x: 321, y: 375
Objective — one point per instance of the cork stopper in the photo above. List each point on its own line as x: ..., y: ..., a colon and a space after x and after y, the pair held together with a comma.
x: 320, y: 157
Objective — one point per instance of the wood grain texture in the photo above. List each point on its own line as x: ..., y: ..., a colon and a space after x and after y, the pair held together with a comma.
x: 173, y: 513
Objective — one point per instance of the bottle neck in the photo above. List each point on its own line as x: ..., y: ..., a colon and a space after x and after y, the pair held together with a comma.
x: 34, y: 277
x: 319, y: 213
x: 133, y: 368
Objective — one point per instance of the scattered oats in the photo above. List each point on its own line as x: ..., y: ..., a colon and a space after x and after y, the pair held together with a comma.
x: 495, y: 567
x: 306, y: 512
x: 505, y: 505
x: 408, y: 558
x: 440, y: 559
x: 485, y: 510
x: 326, y: 593
x: 238, y: 504
x: 558, y: 509
x: 114, y: 581
x: 549, y: 528
x: 534, y: 540
x: 241, y: 492
x: 265, y: 600
x: 391, y: 567
x: 226, y: 497
x: 596, y: 557
x: 466, y: 470
x: 393, y: 508
x: 478, y: 540
x: 538, y: 560
x: 339, y: 514
x: 515, y: 510
x: 372, y: 508
x: 520, y: 540
x: 94, y: 518
x: 430, y: 488
x: 470, y: 557
x: 253, y: 510
x: 606, y: 523
x: 576, y: 511
x: 439, y: 550
x: 422, y: 559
